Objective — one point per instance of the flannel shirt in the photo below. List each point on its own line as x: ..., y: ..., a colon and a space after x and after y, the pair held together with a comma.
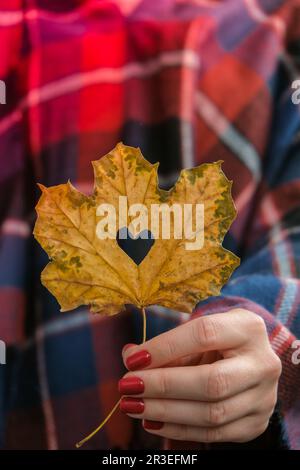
x: 188, y: 82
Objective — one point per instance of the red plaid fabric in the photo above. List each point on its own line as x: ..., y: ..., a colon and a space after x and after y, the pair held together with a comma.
x: 188, y: 82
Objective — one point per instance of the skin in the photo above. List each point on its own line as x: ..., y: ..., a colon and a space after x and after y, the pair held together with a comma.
x: 212, y: 379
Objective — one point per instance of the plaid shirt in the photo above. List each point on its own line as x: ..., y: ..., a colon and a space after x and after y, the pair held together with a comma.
x: 189, y: 82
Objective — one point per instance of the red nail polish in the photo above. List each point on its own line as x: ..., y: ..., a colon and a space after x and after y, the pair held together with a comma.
x: 132, y: 405
x: 154, y: 425
x: 131, y: 386
x: 127, y: 346
x: 138, y: 360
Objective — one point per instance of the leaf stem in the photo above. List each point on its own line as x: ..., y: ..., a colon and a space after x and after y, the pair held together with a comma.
x: 79, y: 444
x: 112, y: 411
x: 144, y: 324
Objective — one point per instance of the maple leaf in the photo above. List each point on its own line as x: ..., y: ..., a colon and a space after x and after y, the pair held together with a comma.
x: 87, y: 270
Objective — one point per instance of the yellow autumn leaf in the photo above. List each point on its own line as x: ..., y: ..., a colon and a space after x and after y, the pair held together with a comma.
x: 87, y: 270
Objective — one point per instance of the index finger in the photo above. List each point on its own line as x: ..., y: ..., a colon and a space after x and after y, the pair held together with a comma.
x: 208, y: 333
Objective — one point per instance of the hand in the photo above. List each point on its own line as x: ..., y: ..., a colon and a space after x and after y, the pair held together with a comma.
x: 212, y: 379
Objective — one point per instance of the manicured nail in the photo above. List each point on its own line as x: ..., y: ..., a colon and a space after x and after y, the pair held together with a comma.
x: 132, y: 405
x: 127, y: 346
x: 138, y: 360
x: 131, y: 386
x: 154, y: 425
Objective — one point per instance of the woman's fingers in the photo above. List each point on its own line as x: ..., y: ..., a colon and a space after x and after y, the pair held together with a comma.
x: 224, y: 331
x: 243, y: 430
x: 228, y: 396
x: 202, y: 414
x: 207, y: 382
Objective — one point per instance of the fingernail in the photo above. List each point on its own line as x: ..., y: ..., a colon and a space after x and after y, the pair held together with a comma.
x: 131, y: 386
x: 132, y: 405
x: 154, y: 425
x: 127, y: 346
x: 138, y: 360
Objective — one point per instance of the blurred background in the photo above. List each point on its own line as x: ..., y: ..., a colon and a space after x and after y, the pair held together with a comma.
x: 188, y: 82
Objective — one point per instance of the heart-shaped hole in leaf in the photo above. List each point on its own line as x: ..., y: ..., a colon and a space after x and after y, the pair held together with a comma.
x: 138, y: 247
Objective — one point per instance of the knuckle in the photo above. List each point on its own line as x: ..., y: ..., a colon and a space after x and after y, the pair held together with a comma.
x: 252, y: 430
x: 161, y: 411
x: 217, y: 383
x: 163, y: 384
x: 251, y: 319
x: 274, y: 366
x: 256, y: 323
x: 272, y: 404
x: 266, y: 406
x: 170, y: 347
x: 216, y: 414
x: 204, y: 331
x: 243, y: 315
x: 212, y: 435
x: 270, y: 367
x: 252, y: 325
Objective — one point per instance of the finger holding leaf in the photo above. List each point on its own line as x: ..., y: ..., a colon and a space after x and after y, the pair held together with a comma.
x: 88, y: 269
